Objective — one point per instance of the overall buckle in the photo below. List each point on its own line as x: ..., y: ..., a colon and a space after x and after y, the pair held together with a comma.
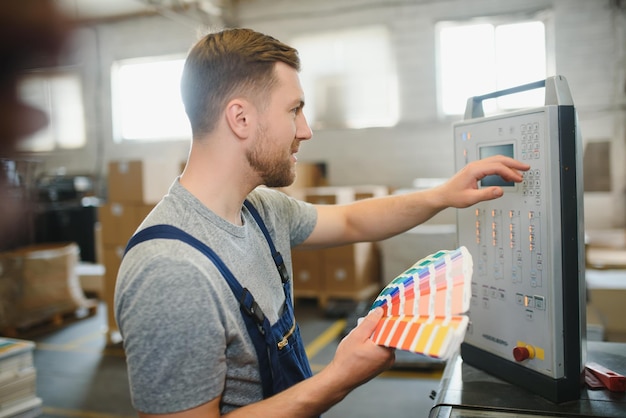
x: 250, y: 307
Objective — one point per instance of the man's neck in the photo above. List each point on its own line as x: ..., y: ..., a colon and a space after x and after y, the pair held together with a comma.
x: 220, y: 184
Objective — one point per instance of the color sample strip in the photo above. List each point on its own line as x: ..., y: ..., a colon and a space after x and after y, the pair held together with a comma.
x: 423, y: 306
x: 436, y: 337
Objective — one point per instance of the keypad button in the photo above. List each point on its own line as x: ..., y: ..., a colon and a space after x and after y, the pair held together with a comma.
x: 540, y: 302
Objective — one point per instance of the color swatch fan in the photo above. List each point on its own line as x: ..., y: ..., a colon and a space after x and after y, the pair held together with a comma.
x: 424, y: 306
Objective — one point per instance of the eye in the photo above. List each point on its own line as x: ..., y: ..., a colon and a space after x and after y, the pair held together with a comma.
x: 297, y: 109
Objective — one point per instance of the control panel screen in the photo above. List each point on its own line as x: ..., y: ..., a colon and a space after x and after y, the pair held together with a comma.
x: 490, y: 150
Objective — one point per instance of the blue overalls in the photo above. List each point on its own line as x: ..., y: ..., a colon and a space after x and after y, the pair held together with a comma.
x: 279, y: 347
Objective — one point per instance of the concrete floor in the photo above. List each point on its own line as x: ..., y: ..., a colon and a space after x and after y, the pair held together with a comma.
x: 79, y: 376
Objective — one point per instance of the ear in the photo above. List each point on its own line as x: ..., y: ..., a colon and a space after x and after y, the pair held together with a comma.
x: 240, y: 116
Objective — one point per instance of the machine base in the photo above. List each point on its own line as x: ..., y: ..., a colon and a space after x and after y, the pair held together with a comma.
x: 554, y: 390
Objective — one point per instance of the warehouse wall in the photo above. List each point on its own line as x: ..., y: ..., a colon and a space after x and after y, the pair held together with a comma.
x: 588, y: 51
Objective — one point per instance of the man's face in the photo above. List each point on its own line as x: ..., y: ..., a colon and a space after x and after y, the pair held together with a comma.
x: 281, y: 127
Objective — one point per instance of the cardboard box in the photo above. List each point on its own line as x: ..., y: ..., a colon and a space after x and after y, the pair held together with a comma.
x: 345, y: 272
x: 329, y: 195
x: 307, y: 175
x: 610, y: 306
x: 141, y: 211
x: 141, y: 182
x: 351, y: 268
x: 310, y: 175
x: 118, y: 221
x: 307, y: 272
x: 112, y: 261
x: 614, y: 336
x: 369, y: 191
x: 117, y: 224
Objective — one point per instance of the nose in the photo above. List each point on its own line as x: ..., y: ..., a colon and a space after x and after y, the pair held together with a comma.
x: 303, y: 130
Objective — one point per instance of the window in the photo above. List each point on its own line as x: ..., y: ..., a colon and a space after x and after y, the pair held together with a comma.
x: 480, y: 58
x: 349, y: 78
x: 146, y: 100
x: 60, y: 96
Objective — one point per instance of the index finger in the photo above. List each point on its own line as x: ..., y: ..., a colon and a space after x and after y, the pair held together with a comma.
x: 503, y: 166
x: 507, y: 161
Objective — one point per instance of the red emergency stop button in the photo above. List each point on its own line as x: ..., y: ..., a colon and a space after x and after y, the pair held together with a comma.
x: 521, y: 353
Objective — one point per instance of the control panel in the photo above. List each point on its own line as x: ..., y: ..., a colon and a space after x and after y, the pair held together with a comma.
x: 527, y: 307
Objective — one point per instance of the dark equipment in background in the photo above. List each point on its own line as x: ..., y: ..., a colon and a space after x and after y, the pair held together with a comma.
x: 67, y: 212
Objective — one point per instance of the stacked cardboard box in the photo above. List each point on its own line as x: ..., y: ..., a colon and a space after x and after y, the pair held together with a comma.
x: 18, y: 395
x: 346, y: 272
x: 134, y: 187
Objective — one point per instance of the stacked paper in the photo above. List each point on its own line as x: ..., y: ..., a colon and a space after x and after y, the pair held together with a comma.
x: 17, y: 379
x: 424, y: 306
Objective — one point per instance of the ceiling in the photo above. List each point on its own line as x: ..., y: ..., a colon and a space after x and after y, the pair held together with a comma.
x: 108, y: 9
x: 86, y: 10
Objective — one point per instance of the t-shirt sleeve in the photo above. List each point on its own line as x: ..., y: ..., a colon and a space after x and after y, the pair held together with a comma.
x: 174, y: 338
x: 281, y: 211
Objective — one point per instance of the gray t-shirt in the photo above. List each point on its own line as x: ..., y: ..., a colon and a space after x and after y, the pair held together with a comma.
x: 185, y: 340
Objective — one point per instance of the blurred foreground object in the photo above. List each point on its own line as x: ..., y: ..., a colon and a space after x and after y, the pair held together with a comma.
x: 33, y: 34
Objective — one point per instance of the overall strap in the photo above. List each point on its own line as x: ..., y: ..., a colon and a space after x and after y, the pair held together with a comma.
x: 278, y: 258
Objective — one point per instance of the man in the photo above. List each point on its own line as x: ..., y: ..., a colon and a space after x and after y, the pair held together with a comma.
x: 194, y: 339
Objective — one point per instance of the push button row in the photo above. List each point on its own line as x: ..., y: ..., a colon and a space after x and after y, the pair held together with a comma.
x: 528, y: 301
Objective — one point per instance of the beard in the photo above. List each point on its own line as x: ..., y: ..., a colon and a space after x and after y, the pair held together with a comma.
x: 273, y: 166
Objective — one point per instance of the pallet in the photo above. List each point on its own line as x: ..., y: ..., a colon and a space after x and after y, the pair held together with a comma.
x: 51, y: 322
